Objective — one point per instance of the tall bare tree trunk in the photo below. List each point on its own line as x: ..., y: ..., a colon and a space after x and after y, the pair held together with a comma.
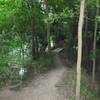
x: 33, y: 40
x: 86, y: 20
x: 48, y: 26
x: 94, y: 47
x: 85, y: 48
x: 79, y: 55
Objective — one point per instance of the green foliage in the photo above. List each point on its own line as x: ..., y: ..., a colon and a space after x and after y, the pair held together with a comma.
x: 97, y: 54
x: 86, y: 92
x: 19, y: 18
x: 10, y: 74
x: 66, y: 13
x: 43, y: 65
x: 88, y: 35
x: 98, y: 37
x: 72, y: 83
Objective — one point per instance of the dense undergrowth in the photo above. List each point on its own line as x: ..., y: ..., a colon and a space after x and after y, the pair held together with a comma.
x: 88, y: 92
x: 9, y: 74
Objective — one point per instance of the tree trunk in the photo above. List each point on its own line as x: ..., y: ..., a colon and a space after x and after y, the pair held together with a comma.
x: 94, y: 47
x: 48, y: 35
x: 85, y: 47
x: 48, y: 26
x: 79, y: 55
x: 36, y: 43
x: 22, y: 51
x: 86, y: 21
x: 33, y: 41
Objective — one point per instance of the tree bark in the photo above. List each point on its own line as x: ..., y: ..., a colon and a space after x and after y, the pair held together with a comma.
x: 33, y: 41
x: 37, y: 47
x: 94, y: 47
x: 79, y: 54
x: 48, y: 26
x: 85, y: 47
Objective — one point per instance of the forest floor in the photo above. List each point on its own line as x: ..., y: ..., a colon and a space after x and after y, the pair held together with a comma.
x: 49, y: 86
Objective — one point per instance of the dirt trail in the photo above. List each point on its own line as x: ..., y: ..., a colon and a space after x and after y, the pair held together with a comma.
x: 45, y: 87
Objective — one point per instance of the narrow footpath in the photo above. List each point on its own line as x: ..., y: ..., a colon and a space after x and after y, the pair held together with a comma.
x: 49, y: 86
